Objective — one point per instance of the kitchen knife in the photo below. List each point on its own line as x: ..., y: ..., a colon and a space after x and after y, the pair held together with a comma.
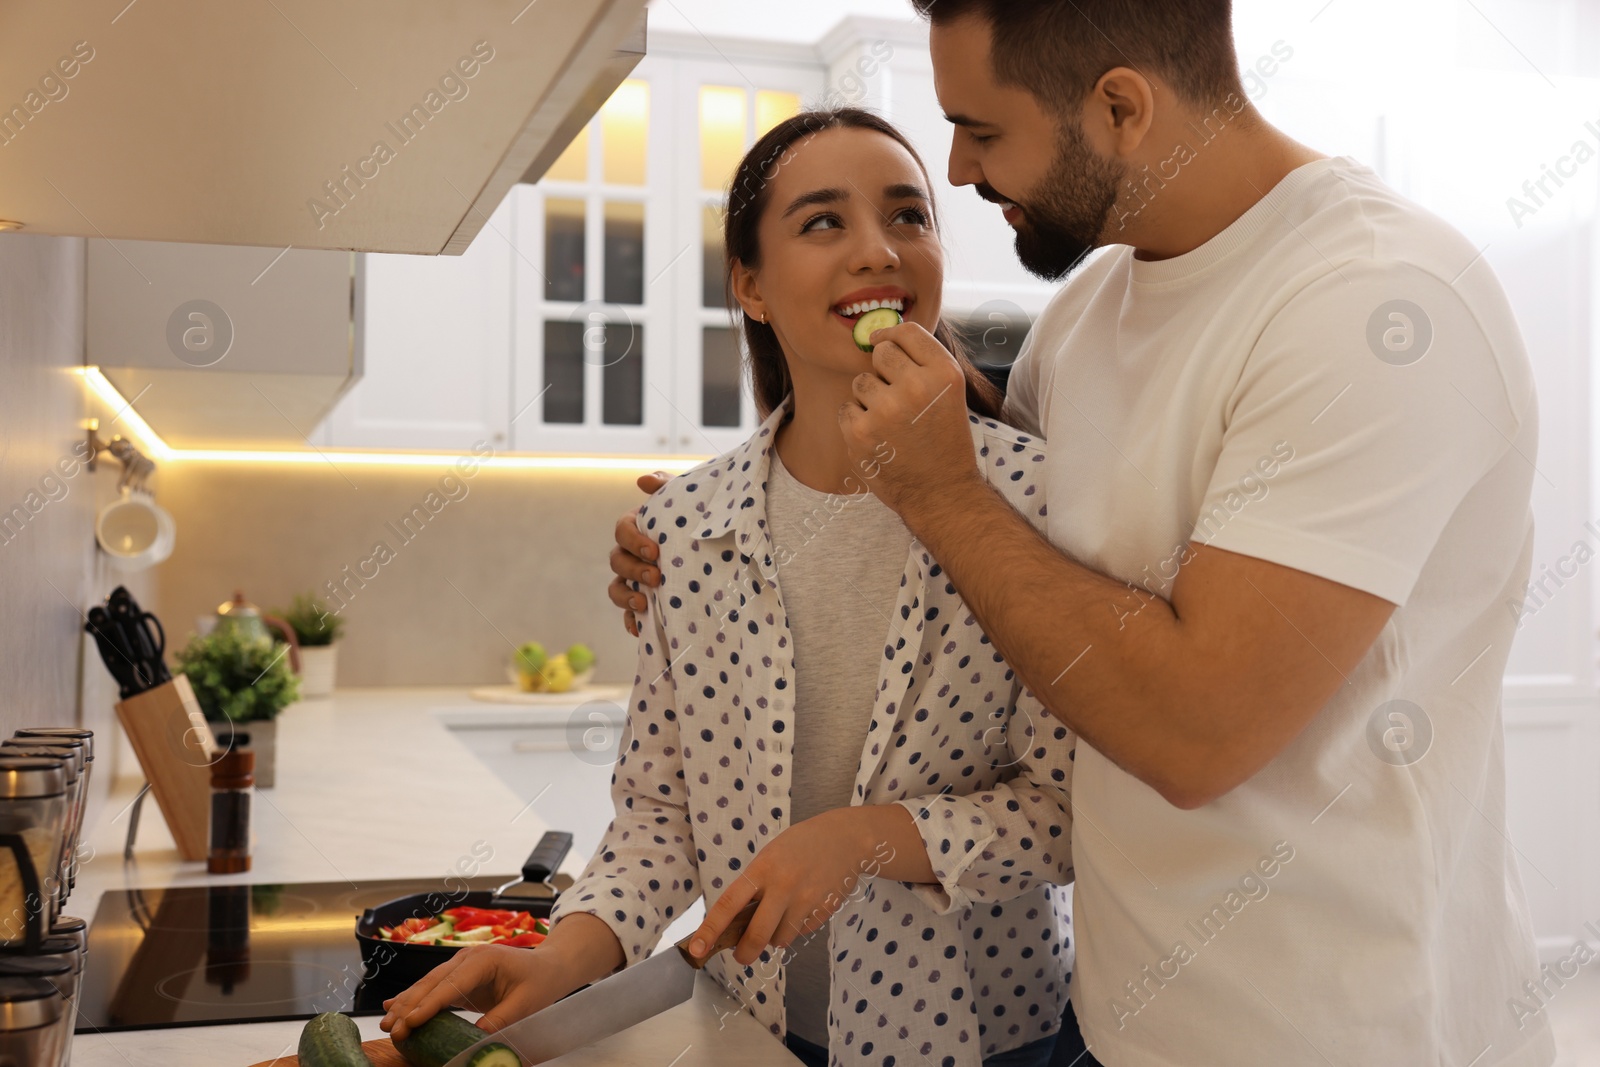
x: 612, y: 1004
x: 142, y: 633
x: 114, y: 652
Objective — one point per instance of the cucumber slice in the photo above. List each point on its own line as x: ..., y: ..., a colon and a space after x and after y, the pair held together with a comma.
x: 876, y: 319
x: 332, y: 1040
x: 494, y: 1056
x: 444, y: 1037
x: 434, y: 932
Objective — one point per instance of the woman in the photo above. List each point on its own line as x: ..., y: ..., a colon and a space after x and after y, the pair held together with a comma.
x: 817, y: 723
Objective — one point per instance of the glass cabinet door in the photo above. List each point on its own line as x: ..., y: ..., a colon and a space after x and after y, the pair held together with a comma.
x: 623, y: 339
x: 590, y: 370
x: 720, y: 114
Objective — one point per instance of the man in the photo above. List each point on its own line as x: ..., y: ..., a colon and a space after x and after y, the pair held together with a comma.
x: 1291, y: 433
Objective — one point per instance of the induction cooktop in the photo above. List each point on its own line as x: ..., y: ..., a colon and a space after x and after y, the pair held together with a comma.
x: 204, y: 955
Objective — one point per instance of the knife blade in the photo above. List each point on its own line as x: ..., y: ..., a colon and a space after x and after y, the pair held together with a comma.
x: 612, y: 1004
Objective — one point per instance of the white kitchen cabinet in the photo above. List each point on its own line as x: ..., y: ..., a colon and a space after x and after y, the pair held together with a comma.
x: 436, y: 333
x: 721, y: 112
x: 589, y: 318
x: 591, y: 365
x: 629, y: 349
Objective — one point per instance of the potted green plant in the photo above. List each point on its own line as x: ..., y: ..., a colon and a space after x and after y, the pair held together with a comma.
x: 242, y: 682
x: 319, y: 631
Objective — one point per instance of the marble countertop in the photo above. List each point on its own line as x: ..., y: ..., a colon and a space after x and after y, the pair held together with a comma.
x: 362, y: 760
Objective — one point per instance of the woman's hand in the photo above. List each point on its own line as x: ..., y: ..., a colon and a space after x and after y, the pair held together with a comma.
x: 505, y: 983
x: 631, y: 560
x: 801, y: 878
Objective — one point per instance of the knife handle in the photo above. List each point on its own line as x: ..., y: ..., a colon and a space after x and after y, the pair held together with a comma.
x: 731, y: 936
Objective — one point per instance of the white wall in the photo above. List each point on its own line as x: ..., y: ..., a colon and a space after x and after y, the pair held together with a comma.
x: 50, y: 570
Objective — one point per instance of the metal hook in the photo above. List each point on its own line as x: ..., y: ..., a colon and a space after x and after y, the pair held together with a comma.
x: 136, y: 466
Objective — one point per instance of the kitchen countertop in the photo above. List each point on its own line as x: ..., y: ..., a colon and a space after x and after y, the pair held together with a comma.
x: 348, y: 768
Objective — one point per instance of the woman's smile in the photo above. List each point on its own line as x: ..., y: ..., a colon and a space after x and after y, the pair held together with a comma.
x: 857, y: 303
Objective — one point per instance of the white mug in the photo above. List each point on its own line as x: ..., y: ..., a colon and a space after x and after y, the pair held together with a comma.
x: 135, y: 532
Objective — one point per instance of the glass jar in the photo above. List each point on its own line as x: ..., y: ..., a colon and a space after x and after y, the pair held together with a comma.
x: 233, y: 783
x: 77, y: 931
x: 59, y: 961
x: 35, y: 1030
x: 75, y: 733
x: 33, y: 811
x: 62, y: 878
x: 82, y: 753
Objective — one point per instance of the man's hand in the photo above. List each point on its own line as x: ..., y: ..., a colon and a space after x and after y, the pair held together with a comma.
x: 907, y: 430
x: 631, y: 560
x: 802, y: 877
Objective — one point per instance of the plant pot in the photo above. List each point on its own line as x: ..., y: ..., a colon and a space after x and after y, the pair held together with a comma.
x: 318, y: 665
x: 260, y: 737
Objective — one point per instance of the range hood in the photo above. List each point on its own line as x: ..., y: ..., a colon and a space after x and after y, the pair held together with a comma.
x: 366, y: 125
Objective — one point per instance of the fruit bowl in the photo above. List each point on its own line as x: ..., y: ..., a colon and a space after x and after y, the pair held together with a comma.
x: 579, y: 680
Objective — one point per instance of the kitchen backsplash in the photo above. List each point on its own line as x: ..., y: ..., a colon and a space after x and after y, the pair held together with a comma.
x: 437, y: 576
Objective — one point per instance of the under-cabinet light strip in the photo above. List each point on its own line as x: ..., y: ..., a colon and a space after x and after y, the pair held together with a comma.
x: 158, y: 449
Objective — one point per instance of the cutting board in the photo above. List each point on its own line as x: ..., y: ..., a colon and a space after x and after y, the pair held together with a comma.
x: 382, y: 1053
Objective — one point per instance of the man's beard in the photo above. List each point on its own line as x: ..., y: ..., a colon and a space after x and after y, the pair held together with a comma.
x: 1063, y: 219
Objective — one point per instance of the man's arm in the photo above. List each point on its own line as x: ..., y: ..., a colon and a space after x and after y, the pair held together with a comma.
x: 1191, y: 695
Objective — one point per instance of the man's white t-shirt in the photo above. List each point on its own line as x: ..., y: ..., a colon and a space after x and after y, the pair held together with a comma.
x: 1335, y: 383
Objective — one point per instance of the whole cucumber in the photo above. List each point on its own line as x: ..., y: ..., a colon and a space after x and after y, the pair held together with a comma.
x: 332, y: 1040
x: 443, y: 1037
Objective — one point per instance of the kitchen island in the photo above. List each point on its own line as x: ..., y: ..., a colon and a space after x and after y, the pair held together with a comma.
x: 371, y: 785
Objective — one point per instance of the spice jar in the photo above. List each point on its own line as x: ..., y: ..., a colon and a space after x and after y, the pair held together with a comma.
x: 77, y: 931
x: 60, y: 879
x: 51, y: 735
x: 233, y: 783
x: 77, y: 783
x: 35, y: 1029
x: 32, y: 811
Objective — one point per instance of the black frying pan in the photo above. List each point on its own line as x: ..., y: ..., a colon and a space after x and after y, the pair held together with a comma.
x: 397, y: 964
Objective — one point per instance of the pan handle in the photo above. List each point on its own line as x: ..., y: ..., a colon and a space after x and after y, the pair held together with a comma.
x: 547, y: 856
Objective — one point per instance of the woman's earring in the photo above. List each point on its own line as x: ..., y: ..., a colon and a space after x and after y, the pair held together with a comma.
x: 763, y: 318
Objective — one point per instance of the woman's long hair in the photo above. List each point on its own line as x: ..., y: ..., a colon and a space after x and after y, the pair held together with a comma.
x: 747, y: 201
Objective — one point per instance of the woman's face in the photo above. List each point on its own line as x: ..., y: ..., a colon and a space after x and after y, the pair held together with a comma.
x: 848, y: 225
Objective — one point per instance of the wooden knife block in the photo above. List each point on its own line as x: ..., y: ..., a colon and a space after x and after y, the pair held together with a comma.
x: 176, y: 749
